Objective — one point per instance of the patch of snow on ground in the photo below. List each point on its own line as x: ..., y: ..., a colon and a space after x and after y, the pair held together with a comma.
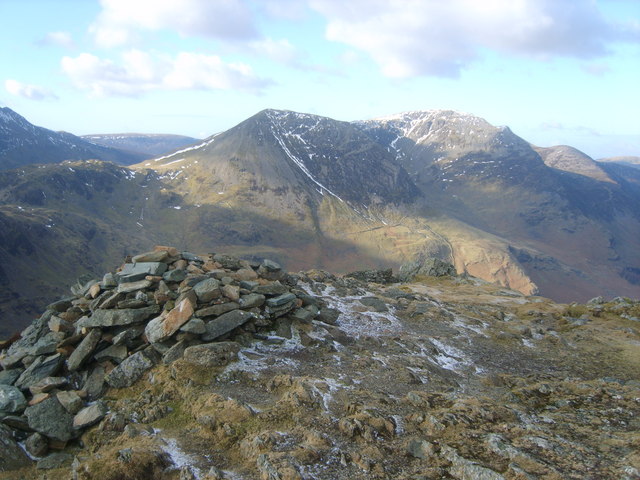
x: 450, y: 357
x: 356, y: 323
x: 179, y: 458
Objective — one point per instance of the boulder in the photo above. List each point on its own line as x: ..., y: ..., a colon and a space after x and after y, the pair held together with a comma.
x: 162, y: 328
x: 11, y: 400
x: 375, y: 303
x: 431, y: 267
x: 134, y: 286
x: 89, y: 415
x: 117, y: 353
x: 280, y: 300
x: 47, y: 384
x: 7, y: 377
x: 12, y: 457
x: 112, y: 318
x: 216, y: 354
x: 207, y: 290
x: 132, y: 272
x: 70, y: 400
x: 84, y: 350
x: 37, y: 444
x: 51, y: 419
x: 195, y: 325
x: 374, y: 276
x: 130, y: 370
x: 42, y: 367
x: 251, y: 300
x: 225, y: 323
x: 155, y: 256
x: 176, y: 275
x: 216, y: 310
x: 274, y: 288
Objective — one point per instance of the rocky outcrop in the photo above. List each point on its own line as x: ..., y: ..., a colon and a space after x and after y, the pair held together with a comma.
x: 156, y: 308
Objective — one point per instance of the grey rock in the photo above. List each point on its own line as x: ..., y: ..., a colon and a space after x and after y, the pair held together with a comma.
x: 216, y: 354
x: 278, y: 311
x: 110, y: 300
x: 117, y: 353
x: 155, y: 256
x: 281, y: 300
x: 216, y: 310
x: 251, y: 300
x: 302, y: 315
x: 17, y: 423
x: 131, y: 303
x: 89, y: 415
x: 274, y: 288
x: 42, y: 367
x: 132, y: 272
x: 51, y: 419
x: 7, y: 377
x: 228, y: 261
x: 420, y: 449
x: 270, y: 265
x: 112, y: 318
x: 84, y: 350
x: 94, y: 385
x: 175, y: 275
x: 109, y: 281
x: 47, y: 384
x: 248, y: 284
x: 195, y: 325
x: 126, y: 336
x: 373, y: 276
x: 82, y: 286
x: 37, y: 445
x: 12, y: 457
x: 207, y: 290
x: 61, y: 305
x: 130, y: 370
x: 432, y: 267
x: 47, y: 344
x: 55, y: 460
x: 133, y: 286
x: 11, y: 400
x: 175, y: 352
x: 464, y: 469
x: 225, y: 323
x: 70, y: 400
x: 191, y: 257
x: 374, y: 302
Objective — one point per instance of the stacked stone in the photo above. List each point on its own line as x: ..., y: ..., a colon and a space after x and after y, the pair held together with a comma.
x: 160, y: 306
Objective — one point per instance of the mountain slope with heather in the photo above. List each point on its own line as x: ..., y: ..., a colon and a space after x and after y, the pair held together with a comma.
x: 312, y: 192
x: 176, y: 366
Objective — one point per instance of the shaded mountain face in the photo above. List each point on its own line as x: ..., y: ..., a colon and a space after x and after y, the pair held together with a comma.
x: 22, y: 143
x: 312, y: 192
x: 150, y: 145
x: 573, y: 219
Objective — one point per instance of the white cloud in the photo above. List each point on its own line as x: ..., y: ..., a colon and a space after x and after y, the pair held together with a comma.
x: 140, y: 72
x: 120, y: 20
x: 281, y: 51
x: 431, y: 37
x: 59, y: 39
x: 32, y: 92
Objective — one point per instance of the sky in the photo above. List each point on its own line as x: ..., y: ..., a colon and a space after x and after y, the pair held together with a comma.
x: 554, y: 71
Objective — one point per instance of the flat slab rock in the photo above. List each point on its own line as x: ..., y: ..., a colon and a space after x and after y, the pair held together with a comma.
x: 51, y: 419
x: 130, y: 370
x: 216, y: 354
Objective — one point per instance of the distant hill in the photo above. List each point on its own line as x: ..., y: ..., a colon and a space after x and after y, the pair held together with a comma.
x: 150, y: 145
x: 629, y: 161
x: 22, y: 143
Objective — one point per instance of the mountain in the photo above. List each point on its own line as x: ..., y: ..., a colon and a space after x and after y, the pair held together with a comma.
x: 176, y: 365
x: 22, y: 143
x: 628, y: 161
x: 312, y: 192
x: 150, y: 145
x: 571, y: 223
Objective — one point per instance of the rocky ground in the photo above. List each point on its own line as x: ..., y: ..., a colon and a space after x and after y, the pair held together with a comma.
x: 187, y: 367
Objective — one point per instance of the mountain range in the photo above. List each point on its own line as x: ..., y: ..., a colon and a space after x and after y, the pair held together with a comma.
x: 313, y: 192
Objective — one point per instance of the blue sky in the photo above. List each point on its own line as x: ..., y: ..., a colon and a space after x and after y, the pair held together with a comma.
x: 555, y: 71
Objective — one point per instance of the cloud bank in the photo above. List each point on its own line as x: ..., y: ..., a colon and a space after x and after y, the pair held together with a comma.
x: 139, y: 72
x: 409, y: 38
x: 31, y: 92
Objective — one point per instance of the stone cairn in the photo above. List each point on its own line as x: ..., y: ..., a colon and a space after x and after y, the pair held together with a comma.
x: 160, y: 306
